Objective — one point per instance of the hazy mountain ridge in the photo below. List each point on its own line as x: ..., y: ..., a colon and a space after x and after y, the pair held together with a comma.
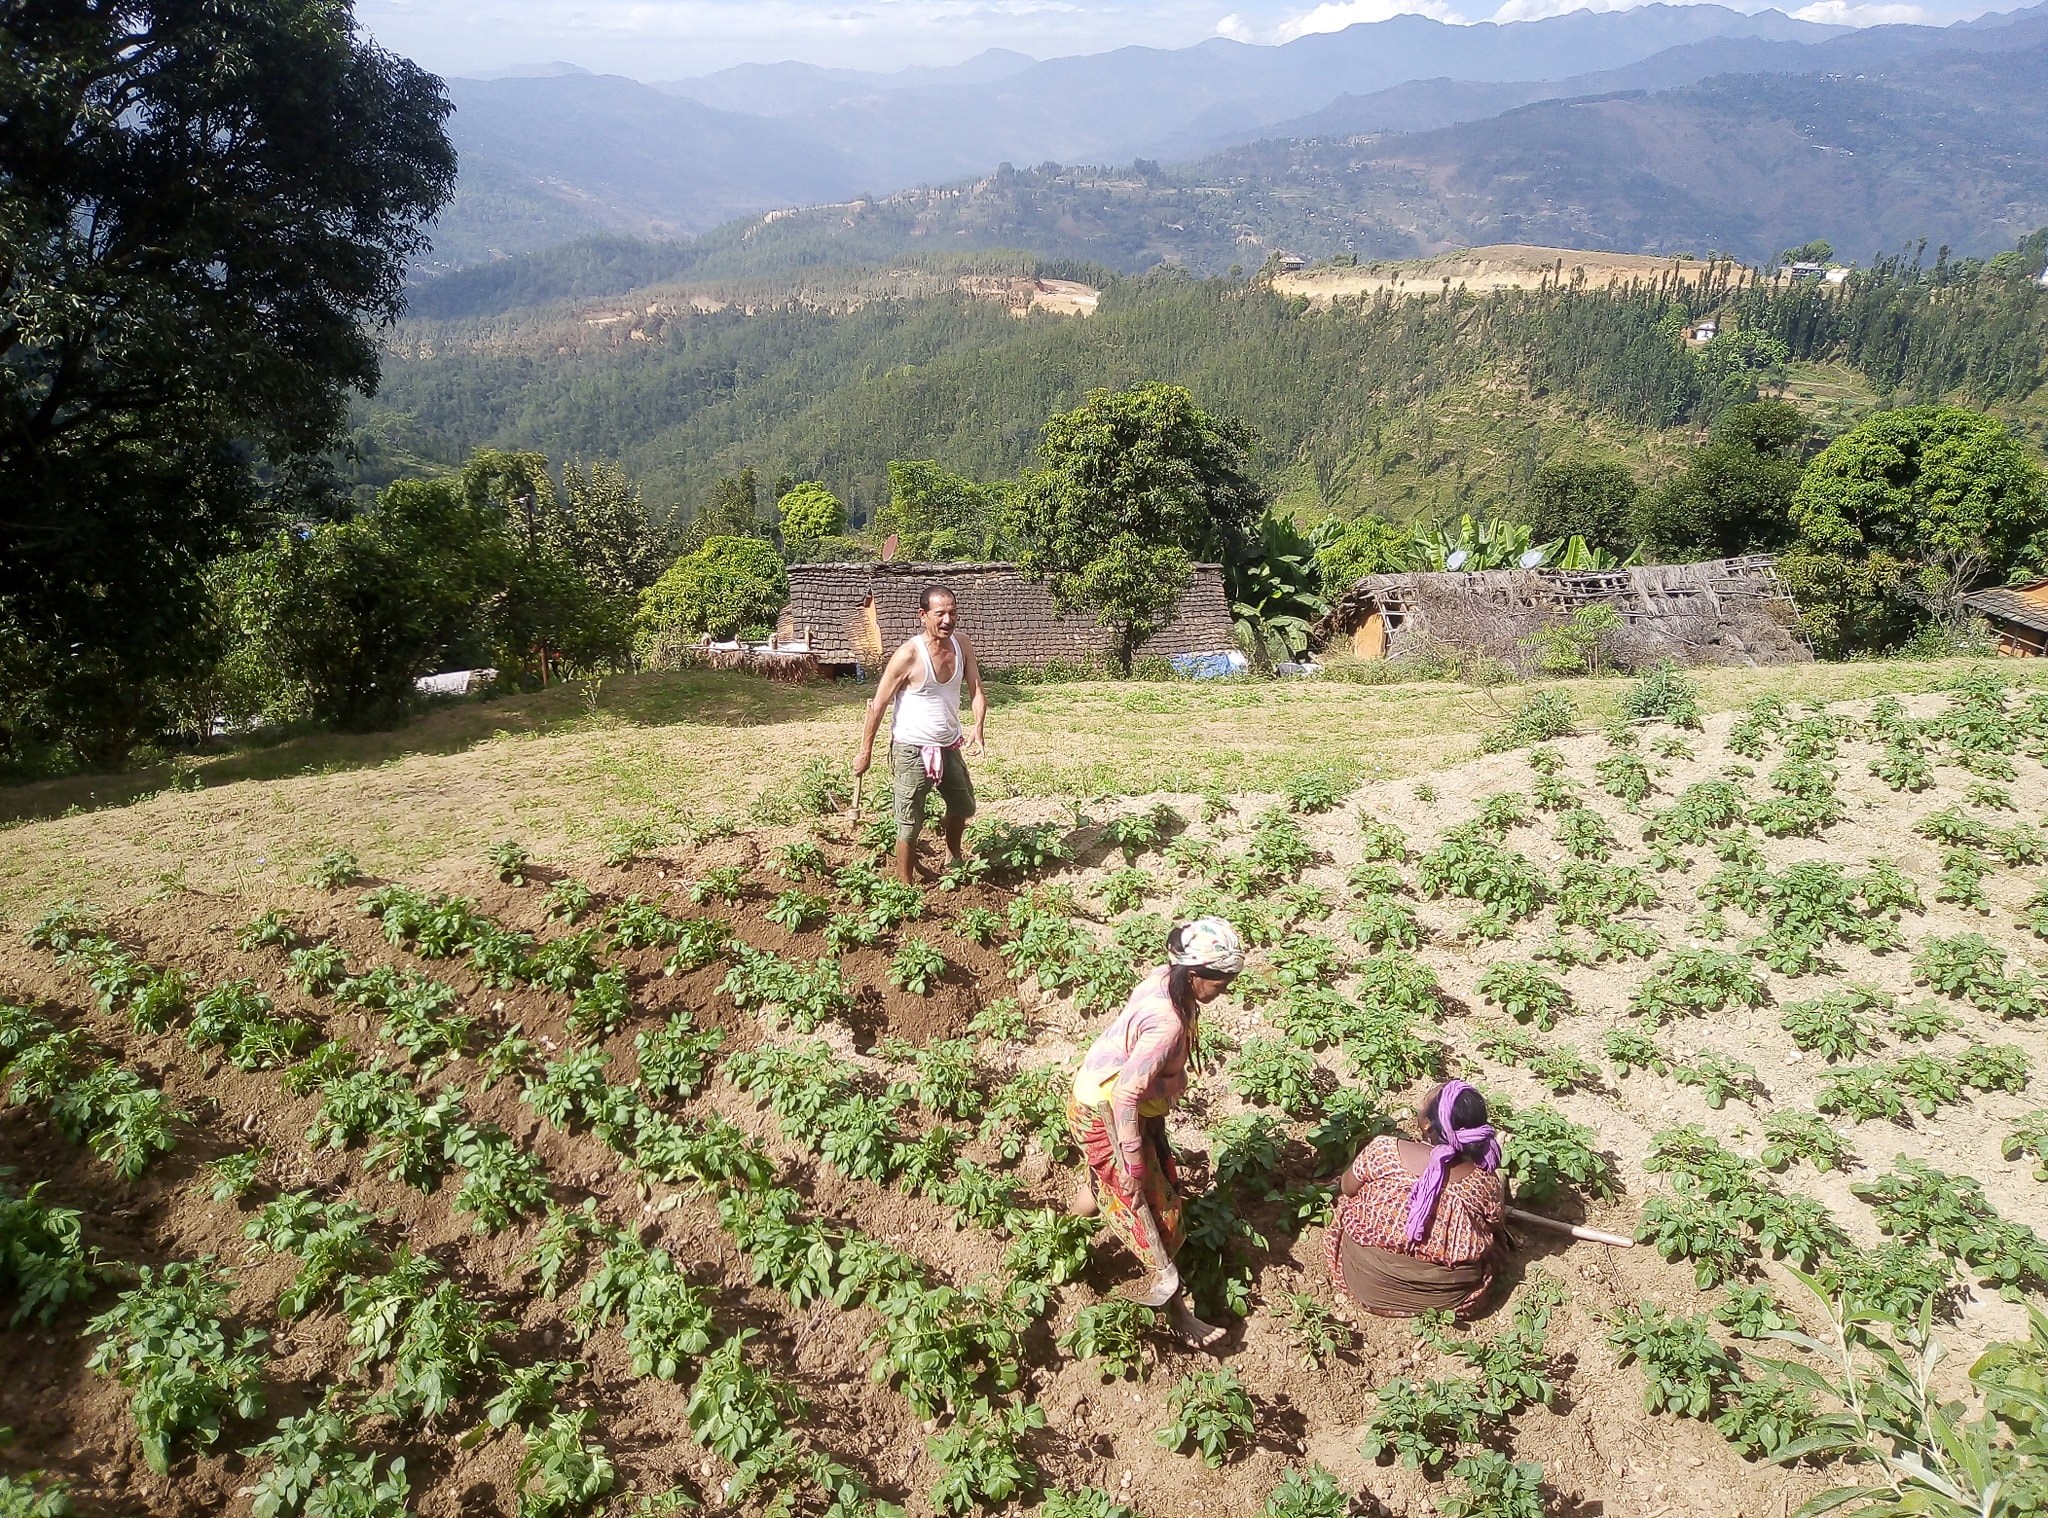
x: 628, y: 157
x: 1618, y: 158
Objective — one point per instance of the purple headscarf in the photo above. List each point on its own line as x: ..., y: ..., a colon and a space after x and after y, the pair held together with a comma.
x: 1430, y: 1184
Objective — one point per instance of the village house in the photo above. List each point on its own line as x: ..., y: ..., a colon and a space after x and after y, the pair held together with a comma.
x: 2018, y: 617
x: 846, y: 616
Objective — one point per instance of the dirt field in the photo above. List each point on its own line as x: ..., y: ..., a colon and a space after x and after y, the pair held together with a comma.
x: 1501, y: 266
x: 1600, y: 1451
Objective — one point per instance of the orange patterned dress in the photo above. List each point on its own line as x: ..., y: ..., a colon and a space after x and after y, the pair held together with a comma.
x: 1134, y: 1072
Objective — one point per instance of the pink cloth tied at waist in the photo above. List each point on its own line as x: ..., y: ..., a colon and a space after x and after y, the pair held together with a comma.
x: 934, y: 756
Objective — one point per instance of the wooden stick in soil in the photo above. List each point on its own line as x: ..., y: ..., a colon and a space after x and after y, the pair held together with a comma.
x: 1576, y: 1230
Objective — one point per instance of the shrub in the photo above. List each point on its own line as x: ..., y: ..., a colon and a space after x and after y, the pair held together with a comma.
x: 1664, y: 694
x: 1541, y: 716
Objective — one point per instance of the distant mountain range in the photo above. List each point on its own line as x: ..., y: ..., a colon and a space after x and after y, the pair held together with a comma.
x: 1387, y: 139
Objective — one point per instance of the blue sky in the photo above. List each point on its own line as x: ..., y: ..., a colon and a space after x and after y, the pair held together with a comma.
x: 669, y: 39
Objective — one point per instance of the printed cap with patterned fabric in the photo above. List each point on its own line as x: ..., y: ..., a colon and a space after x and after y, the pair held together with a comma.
x: 1209, y: 943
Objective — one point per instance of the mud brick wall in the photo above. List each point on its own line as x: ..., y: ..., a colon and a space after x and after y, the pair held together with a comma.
x: 862, y: 612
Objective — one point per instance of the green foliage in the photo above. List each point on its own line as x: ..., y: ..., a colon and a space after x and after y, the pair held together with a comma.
x: 330, y: 1240
x: 164, y: 1340
x: 1310, y: 1493
x: 1422, y: 1424
x: 1835, y: 1026
x: 44, y: 1264
x: 1718, y: 1078
x: 1546, y: 1151
x: 1912, y: 507
x: 1469, y: 865
x: 2028, y: 1142
x: 1313, y: 1329
x: 1496, y: 1487
x: 562, y: 1474
x: 728, y: 587
x: 1273, y: 1072
x: 1625, y: 776
x: 1111, y: 1333
x: 1212, y: 1411
x: 917, y: 967
x: 1683, y: 1366
x: 808, y: 514
x: 981, y: 1458
x: 1696, y: 981
x: 1538, y: 718
x: 1790, y: 1136
x: 1917, y: 1203
x: 675, y: 1059
x: 1665, y: 695
x: 1136, y: 485
x: 1752, y: 1312
x: 1525, y: 993
x: 1705, y: 1231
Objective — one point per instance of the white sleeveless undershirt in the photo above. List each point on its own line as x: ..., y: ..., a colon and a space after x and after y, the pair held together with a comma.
x: 928, y: 710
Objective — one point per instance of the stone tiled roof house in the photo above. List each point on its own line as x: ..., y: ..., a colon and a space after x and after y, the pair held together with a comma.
x: 846, y: 614
x: 2018, y: 615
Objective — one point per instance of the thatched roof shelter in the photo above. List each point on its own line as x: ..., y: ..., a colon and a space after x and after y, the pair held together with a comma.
x: 847, y: 614
x: 1724, y: 611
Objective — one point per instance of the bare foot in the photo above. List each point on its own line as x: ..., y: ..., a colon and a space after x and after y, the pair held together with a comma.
x: 1199, y: 1335
x: 1082, y: 1203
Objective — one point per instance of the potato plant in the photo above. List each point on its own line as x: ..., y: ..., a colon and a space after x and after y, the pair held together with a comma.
x: 917, y: 967
x: 1525, y: 993
x: 1423, y: 1424
x: 981, y: 1458
x: 1272, y: 1072
x: 44, y: 1264
x: 1684, y: 1369
x: 164, y: 1339
x: 1210, y: 1411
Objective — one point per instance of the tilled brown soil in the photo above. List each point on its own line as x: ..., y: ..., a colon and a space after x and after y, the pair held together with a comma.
x: 1601, y: 1452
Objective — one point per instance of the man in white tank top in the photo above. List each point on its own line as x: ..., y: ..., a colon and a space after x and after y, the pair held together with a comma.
x: 925, y: 678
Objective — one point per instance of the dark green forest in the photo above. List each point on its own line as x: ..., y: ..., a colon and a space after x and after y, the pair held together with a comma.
x: 1344, y: 397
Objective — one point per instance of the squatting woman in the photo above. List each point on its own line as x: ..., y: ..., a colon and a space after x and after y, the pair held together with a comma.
x: 1416, y: 1222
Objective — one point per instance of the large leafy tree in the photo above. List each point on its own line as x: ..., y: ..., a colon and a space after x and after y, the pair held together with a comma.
x: 1583, y: 495
x: 1136, y: 486
x: 1734, y: 496
x: 809, y: 514
x: 1900, y: 516
x: 205, y: 211
x: 936, y: 515
x: 334, y: 622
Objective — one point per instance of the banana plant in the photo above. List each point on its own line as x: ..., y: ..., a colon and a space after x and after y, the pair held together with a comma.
x: 1274, y: 592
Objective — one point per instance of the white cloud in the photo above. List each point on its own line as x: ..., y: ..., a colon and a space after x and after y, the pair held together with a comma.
x: 1235, y: 28
x: 1335, y: 15
x: 1844, y: 13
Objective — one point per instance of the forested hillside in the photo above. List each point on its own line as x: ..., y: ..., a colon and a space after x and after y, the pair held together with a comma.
x: 1417, y: 408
